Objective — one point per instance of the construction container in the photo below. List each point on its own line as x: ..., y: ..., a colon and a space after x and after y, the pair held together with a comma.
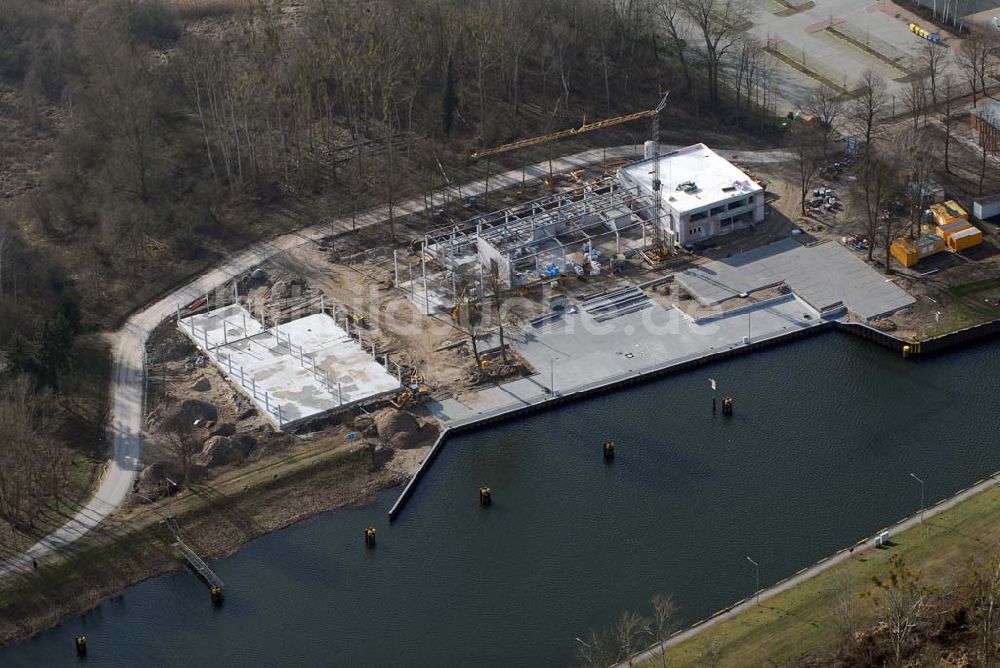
x: 945, y: 231
x: 909, y: 252
x: 926, y: 34
x: 986, y: 207
x: 966, y: 238
x: 948, y: 212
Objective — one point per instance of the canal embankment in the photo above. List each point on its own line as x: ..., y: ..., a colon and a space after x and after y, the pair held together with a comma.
x: 216, y: 519
x: 516, y: 402
x: 795, y: 618
x: 817, y: 454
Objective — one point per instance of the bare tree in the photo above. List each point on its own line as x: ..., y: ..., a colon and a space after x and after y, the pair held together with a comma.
x: 868, y: 106
x: 749, y: 52
x: 663, y: 622
x: 900, y: 597
x: 468, y: 314
x: 498, y: 299
x: 984, y: 592
x: 915, y: 99
x: 973, y: 59
x: 842, y: 611
x: 5, y: 242
x: 828, y: 105
x: 871, y: 193
x: 948, y: 120
x: 600, y: 650
x: 677, y: 36
x: 914, y: 158
x: 722, y: 24
x: 630, y: 629
x: 807, y: 144
x: 934, y: 60
x: 179, y: 431
x: 33, y: 465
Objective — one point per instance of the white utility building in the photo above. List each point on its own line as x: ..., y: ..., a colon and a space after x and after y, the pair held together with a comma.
x: 703, y: 194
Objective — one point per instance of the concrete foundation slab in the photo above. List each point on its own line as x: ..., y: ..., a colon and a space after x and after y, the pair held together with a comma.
x: 221, y: 326
x: 300, y: 369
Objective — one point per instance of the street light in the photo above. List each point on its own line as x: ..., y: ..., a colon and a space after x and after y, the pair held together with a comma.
x: 921, y: 496
x: 756, y: 569
x: 587, y: 645
x: 552, y: 376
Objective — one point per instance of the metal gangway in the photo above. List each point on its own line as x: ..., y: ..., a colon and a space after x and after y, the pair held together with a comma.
x: 196, y: 563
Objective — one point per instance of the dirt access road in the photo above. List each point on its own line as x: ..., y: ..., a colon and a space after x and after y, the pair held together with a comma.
x: 129, y: 343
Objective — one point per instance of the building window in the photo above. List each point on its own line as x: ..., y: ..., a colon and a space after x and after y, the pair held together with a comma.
x: 725, y: 222
x: 716, y: 210
x: 699, y: 215
x: 737, y: 204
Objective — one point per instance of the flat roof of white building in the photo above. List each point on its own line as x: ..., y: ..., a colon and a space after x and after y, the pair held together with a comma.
x: 715, y: 179
x: 295, y: 371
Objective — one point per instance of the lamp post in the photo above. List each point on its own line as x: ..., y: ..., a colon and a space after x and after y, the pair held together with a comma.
x: 552, y: 376
x: 921, y: 496
x: 587, y: 645
x: 756, y: 570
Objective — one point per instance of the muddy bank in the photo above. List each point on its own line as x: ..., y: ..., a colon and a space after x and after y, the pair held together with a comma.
x: 120, y: 557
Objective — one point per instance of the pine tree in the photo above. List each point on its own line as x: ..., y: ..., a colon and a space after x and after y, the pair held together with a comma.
x: 55, y: 349
x: 450, y: 101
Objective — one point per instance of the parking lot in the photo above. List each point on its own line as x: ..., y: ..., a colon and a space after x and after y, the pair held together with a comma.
x: 833, y: 42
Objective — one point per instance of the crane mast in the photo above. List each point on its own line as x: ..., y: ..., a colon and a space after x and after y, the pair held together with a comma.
x: 658, y: 200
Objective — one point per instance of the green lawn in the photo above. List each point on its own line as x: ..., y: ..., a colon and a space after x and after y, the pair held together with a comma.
x: 800, y: 621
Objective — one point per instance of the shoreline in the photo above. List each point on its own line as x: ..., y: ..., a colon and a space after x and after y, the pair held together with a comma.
x: 944, y: 343
x: 101, y: 572
x: 808, y: 573
x: 144, y: 552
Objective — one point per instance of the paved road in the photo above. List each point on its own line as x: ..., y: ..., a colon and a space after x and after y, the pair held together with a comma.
x: 129, y: 342
x: 817, y: 568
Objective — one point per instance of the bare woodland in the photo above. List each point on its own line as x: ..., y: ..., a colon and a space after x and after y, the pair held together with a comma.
x: 147, y: 137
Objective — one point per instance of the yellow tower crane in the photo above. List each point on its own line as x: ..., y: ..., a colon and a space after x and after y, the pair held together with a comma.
x: 570, y: 132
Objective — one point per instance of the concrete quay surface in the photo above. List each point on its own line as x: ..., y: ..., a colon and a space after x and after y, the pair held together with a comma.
x: 577, y: 354
x: 821, y: 274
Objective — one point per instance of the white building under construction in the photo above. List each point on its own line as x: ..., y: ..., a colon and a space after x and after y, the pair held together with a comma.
x: 580, y: 231
x: 702, y: 194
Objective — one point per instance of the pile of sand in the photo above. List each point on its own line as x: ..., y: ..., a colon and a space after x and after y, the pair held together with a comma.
x: 397, y: 429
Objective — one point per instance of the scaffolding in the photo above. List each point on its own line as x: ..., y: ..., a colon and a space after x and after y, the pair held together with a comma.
x: 581, y: 230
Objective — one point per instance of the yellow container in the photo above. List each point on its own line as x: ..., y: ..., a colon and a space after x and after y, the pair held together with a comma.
x: 948, y: 212
x: 967, y: 238
x: 905, y: 251
x: 945, y: 231
x: 909, y: 252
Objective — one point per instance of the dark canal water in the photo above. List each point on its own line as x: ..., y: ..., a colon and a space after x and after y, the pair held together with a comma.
x: 818, y: 455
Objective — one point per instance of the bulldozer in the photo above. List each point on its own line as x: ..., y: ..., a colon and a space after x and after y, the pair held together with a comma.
x: 412, y: 396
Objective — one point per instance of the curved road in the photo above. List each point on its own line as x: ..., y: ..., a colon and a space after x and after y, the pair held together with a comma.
x: 129, y: 343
